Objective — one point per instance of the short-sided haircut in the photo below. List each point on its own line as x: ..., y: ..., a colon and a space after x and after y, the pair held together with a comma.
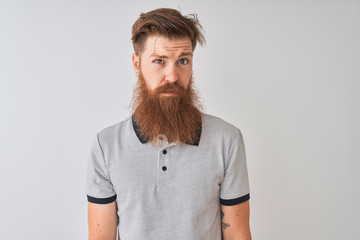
x: 166, y: 22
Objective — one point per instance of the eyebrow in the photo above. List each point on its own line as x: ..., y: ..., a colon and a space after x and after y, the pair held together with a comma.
x: 184, y: 54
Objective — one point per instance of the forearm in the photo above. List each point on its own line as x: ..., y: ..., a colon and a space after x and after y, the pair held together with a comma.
x: 102, y: 220
x: 235, y: 222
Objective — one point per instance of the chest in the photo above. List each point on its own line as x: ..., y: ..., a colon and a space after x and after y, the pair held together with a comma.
x: 167, y: 172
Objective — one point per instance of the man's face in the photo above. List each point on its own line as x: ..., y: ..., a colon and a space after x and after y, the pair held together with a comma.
x: 164, y: 61
x: 164, y: 100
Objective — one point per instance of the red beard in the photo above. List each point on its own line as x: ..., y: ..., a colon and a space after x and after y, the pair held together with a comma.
x: 177, y: 117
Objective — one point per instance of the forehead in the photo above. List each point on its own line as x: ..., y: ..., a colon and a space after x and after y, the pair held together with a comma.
x: 160, y: 45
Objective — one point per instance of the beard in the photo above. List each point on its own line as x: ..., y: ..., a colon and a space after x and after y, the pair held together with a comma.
x: 178, y: 116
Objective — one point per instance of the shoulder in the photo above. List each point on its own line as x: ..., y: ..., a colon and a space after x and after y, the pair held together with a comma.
x: 115, y: 131
x: 218, y: 126
x: 218, y: 132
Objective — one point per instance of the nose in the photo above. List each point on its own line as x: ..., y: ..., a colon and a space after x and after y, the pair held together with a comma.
x: 171, y: 74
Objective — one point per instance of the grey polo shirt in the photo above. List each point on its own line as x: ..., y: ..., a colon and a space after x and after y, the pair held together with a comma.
x: 173, y: 191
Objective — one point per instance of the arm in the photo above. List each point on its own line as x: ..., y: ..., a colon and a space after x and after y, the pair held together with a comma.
x: 102, y: 220
x: 235, y: 221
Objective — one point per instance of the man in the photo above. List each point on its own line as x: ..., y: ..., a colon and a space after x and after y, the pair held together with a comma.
x: 168, y: 171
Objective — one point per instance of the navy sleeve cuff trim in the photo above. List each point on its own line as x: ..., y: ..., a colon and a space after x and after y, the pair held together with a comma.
x: 101, y: 200
x: 231, y: 202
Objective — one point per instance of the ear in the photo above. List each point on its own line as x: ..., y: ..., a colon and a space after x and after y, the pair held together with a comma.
x: 136, y: 62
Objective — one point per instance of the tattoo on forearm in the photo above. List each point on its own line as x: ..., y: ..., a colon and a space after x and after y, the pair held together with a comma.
x: 223, y: 224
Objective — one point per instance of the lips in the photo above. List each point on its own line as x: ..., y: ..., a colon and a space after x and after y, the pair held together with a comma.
x: 168, y: 94
x: 170, y: 89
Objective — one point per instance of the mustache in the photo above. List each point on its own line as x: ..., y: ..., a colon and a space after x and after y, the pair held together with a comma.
x: 170, y: 87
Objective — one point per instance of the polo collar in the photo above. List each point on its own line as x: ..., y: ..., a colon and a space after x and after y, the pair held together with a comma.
x: 146, y: 139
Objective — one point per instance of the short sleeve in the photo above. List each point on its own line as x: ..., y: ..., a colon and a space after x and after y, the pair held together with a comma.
x: 99, y: 188
x: 235, y: 185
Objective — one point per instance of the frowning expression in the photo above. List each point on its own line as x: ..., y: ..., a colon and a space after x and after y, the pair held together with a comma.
x: 165, y: 60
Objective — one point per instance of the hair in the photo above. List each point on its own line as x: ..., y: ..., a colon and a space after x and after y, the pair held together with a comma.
x: 166, y: 22
x: 177, y: 117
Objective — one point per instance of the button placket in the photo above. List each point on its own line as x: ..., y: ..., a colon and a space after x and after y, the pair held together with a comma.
x: 163, y: 166
x: 163, y: 158
x: 164, y: 155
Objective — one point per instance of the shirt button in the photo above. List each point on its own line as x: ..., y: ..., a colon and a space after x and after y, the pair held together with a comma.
x: 164, y: 168
x: 164, y: 152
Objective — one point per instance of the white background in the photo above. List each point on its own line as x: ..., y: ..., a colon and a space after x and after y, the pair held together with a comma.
x: 285, y: 72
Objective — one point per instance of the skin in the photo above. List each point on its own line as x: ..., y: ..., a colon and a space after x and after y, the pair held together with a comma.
x: 102, y: 221
x: 166, y: 60
x: 235, y: 222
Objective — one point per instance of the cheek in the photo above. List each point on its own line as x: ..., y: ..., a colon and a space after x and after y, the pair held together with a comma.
x: 152, y: 81
x: 151, y: 77
x: 186, y: 79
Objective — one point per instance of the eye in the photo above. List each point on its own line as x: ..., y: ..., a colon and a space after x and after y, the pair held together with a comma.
x: 183, y: 61
x: 158, y: 61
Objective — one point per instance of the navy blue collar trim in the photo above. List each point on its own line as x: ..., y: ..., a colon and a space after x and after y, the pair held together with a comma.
x: 137, y: 132
x: 146, y: 139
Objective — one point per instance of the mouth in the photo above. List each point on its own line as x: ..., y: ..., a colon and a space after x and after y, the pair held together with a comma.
x: 168, y: 93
